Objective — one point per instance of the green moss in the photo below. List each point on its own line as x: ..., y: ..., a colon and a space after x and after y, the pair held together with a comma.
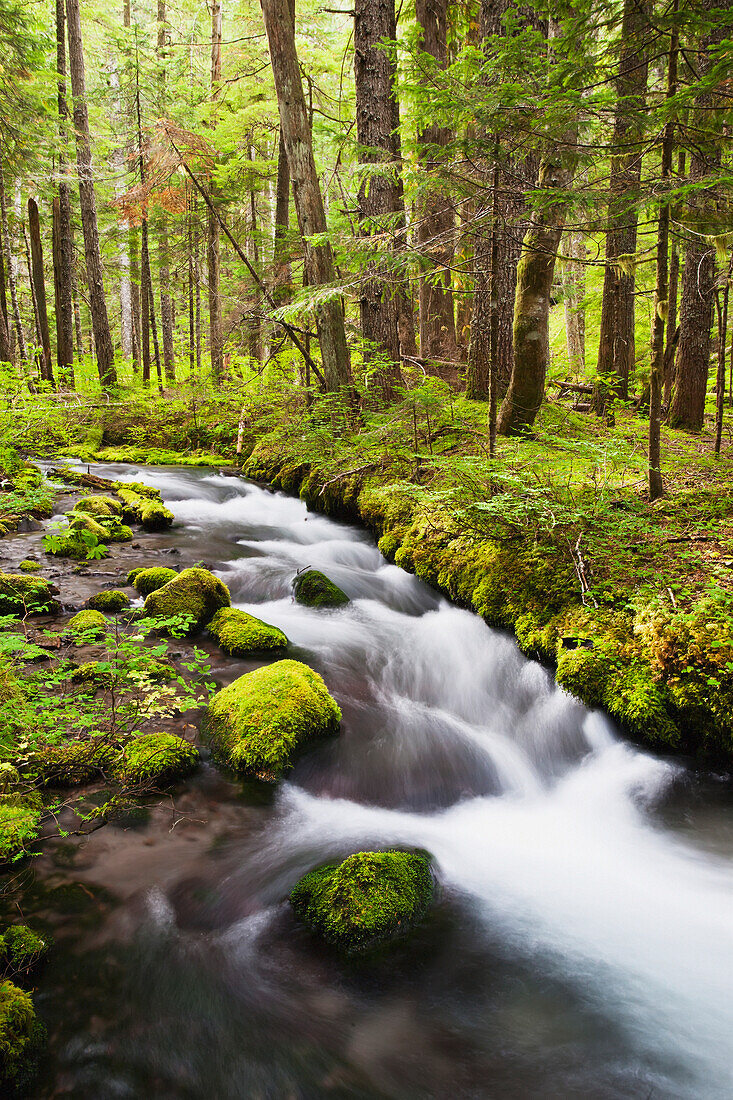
x: 389, y: 544
x: 20, y: 1032
x: 258, y: 723
x: 195, y: 593
x: 94, y: 673
x: 135, y: 573
x: 110, y: 601
x: 154, y: 516
x: 21, y: 594
x: 71, y: 546
x: 84, y: 621
x: 29, y: 566
x: 19, y: 821
x: 138, y: 488
x: 80, y: 521
x: 156, y: 758
x: 23, y: 947
x: 370, y: 898
x: 71, y: 762
x: 239, y: 634
x: 314, y: 589
x: 150, y: 580
x: 99, y: 506
x: 116, y: 531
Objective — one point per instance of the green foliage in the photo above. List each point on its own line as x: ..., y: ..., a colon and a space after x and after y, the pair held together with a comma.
x: 370, y: 898
x: 87, y: 622
x: 23, y: 947
x: 20, y: 1031
x: 20, y: 819
x: 155, y: 759
x: 314, y: 589
x: 22, y: 595
x: 239, y: 634
x: 78, y: 543
x: 258, y: 723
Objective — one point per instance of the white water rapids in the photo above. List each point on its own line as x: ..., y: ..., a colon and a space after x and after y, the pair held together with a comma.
x: 540, y: 818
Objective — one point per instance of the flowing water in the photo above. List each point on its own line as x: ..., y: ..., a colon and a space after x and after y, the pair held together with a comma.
x: 582, y: 944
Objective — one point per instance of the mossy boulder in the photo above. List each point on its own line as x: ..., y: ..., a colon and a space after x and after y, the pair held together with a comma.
x: 71, y: 763
x: 135, y: 573
x: 156, y: 759
x: 370, y: 898
x: 154, y: 516
x: 137, y: 488
x: 314, y: 589
x: 94, y: 673
x: 29, y: 566
x: 21, y: 1034
x: 21, y: 594
x: 146, y: 581
x: 99, y: 506
x: 145, y: 508
x: 19, y: 821
x: 258, y: 723
x: 110, y: 601
x: 80, y: 521
x: 239, y: 634
x: 22, y: 947
x: 85, y: 621
x: 195, y: 593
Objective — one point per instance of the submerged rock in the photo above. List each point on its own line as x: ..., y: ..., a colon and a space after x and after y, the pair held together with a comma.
x: 258, y: 723
x: 20, y: 595
x: 21, y: 1034
x: 110, y: 601
x: 156, y: 759
x: 314, y: 589
x: 84, y: 621
x: 195, y: 593
x: 239, y: 634
x: 370, y: 898
x: 146, y: 581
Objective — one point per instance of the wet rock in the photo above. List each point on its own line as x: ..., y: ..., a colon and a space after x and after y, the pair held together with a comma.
x: 258, y: 723
x: 20, y: 594
x: 370, y: 898
x: 195, y: 594
x: 146, y: 581
x: 239, y: 634
x: 110, y: 601
x: 314, y: 589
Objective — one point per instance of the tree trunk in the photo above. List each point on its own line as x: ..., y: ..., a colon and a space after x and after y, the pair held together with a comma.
x: 656, y: 375
x: 118, y: 164
x: 213, y: 257
x: 63, y: 251
x: 436, y: 221
x: 375, y: 72
x: 5, y: 351
x: 135, y: 303
x: 164, y: 278
x: 39, y: 287
x: 78, y: 334
x: 532, y: 302
x: 306, y: 189
x: 22, y: 351
x: 698, y: 279
x: 95, y: 280
x: 150, y: 297
x: 254, y: 327
x: 573, y: 281
x: 616, y: 350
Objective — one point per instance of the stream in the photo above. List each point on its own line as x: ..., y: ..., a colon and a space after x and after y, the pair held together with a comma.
x: 582, y: 943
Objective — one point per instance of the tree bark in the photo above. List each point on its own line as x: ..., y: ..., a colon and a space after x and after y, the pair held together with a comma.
x: 306, y: 190
x: 39, y: 287
x: 573, y: 280
x: 616, y: 351
x: 95, y: 279
x: 22, y: 351
x: 375, y: 72
x: 436, y: 221
x: 164, y: 278
x: 63, y: 251
x: 213, y: 248
x: 532, y: 302
x: 698, y: 279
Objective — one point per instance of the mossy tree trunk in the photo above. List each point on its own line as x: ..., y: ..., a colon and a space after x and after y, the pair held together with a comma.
x: 532, y: 301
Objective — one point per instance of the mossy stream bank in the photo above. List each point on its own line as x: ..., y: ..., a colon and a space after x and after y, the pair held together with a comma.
x: 663, y: 673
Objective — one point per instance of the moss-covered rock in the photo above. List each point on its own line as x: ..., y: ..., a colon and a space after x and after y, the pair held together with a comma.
x: 314, y: 589
x: 71, y: 763
x: 156, y: 759
x: 240, y: 634
x: 85, y: 621
x: 19, y: 822
x: 370, y: 898
x: 135, y: 573
x: 20, y: 595
x: 258, y: 723
x: 94, y: 673
x: 99, y: 506
x: 23, y: 947
x: 195, y: 593
x: 80, y: 521
x: 21, y: 1033
x: 154, y: 516
x: 137, y: 488
x: 29, y: 566
x: 110, y: 601
x: 146, y: 581
x: 145, y: 508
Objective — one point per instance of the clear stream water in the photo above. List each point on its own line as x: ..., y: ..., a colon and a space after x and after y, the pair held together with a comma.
x: 582, y: 945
